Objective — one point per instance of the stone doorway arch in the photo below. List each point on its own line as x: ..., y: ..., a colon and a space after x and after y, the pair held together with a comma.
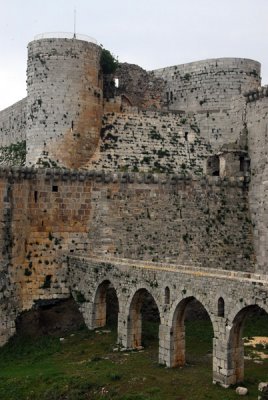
x: 137, y: 310
x: 177, y: 331
x: 235, y: 347
x: 106, y: 305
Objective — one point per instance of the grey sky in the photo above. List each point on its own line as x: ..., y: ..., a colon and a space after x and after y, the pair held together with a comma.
x: 150, y: 33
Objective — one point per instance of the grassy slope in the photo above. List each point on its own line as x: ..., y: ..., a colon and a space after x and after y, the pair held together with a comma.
x: 84, y: 363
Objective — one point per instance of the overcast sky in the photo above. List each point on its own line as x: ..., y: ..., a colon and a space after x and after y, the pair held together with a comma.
x: 150, y: 33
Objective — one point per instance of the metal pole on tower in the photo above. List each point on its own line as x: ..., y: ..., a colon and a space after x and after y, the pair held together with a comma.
x: 74, y: 23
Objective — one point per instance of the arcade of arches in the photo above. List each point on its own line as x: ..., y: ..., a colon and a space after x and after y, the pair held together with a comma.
x: 226, y: 300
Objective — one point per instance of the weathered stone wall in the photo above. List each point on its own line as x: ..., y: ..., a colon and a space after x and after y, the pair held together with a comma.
x: 148, y: 141
x: 219, y: 127
x: 203, y: 222
x: 50, y: 214
x: 257, y: 124
x: 9, y: 302
x: 9, y: 309
x: 209, y: 84
x: 64, y: 104
x: 213, y: 91
x: 41, y: 221
x: 54, y: 221
x: 141, y: 88
x: 165, y: 142
x: 13, y: 123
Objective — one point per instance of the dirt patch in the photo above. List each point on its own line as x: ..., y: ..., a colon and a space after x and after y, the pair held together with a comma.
x: 257, y: 341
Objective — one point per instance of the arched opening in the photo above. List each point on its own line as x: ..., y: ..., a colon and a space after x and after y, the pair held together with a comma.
x: 250, y: 321
x: 191, y: 334
x: 106, y: 306
x: 213, y: 166
x: 221, y: 307
x: 167, y: 295
x: 143, y: 320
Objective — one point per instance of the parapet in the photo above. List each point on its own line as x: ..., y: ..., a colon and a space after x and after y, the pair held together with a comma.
x: 65, y: 35
x: 224, y: 63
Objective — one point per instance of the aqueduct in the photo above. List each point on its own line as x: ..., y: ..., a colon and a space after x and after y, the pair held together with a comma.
x: 228, y: 297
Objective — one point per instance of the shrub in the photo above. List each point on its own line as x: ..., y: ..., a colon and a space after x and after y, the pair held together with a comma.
x: 108, y: 62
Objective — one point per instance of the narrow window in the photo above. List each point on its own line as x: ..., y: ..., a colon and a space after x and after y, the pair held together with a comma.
x: 242, y: 163
x: 167, y: 295
x: 116, y: 82
x: 35, y: 196
x: 220, y: 307
x: 186, y: 136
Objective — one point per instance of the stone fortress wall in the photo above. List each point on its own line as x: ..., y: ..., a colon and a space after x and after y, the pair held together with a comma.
x: 49, y: 215
x: 212, y: 90
x: 209, y: 84
x: 149, y: 141
x: 209, y: 91
x: 158, y: 175
x: 13, y: 121
x: 257, y: 125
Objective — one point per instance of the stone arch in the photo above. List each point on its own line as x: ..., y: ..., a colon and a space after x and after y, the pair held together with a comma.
x: 134, y: 320
x: 191, y: 296
x: 99, y: 312
x: 239, y: 307
x: 177, y: 330
x: 153, y: 292
x: 235, y: 346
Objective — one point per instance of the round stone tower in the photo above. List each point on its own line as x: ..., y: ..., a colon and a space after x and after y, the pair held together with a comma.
x: 208, y: 84
x: 64, y: 108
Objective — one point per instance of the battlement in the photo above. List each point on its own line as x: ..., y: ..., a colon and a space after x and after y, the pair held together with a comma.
x: 259, y: 93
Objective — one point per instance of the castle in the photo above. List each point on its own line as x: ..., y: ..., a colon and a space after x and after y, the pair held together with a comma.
x: 159, y: 186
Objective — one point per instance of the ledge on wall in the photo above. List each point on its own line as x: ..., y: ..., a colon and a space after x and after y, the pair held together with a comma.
x: 51, y: 174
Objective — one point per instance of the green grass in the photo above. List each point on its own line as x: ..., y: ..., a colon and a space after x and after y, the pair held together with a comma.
x: 84, y: 366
